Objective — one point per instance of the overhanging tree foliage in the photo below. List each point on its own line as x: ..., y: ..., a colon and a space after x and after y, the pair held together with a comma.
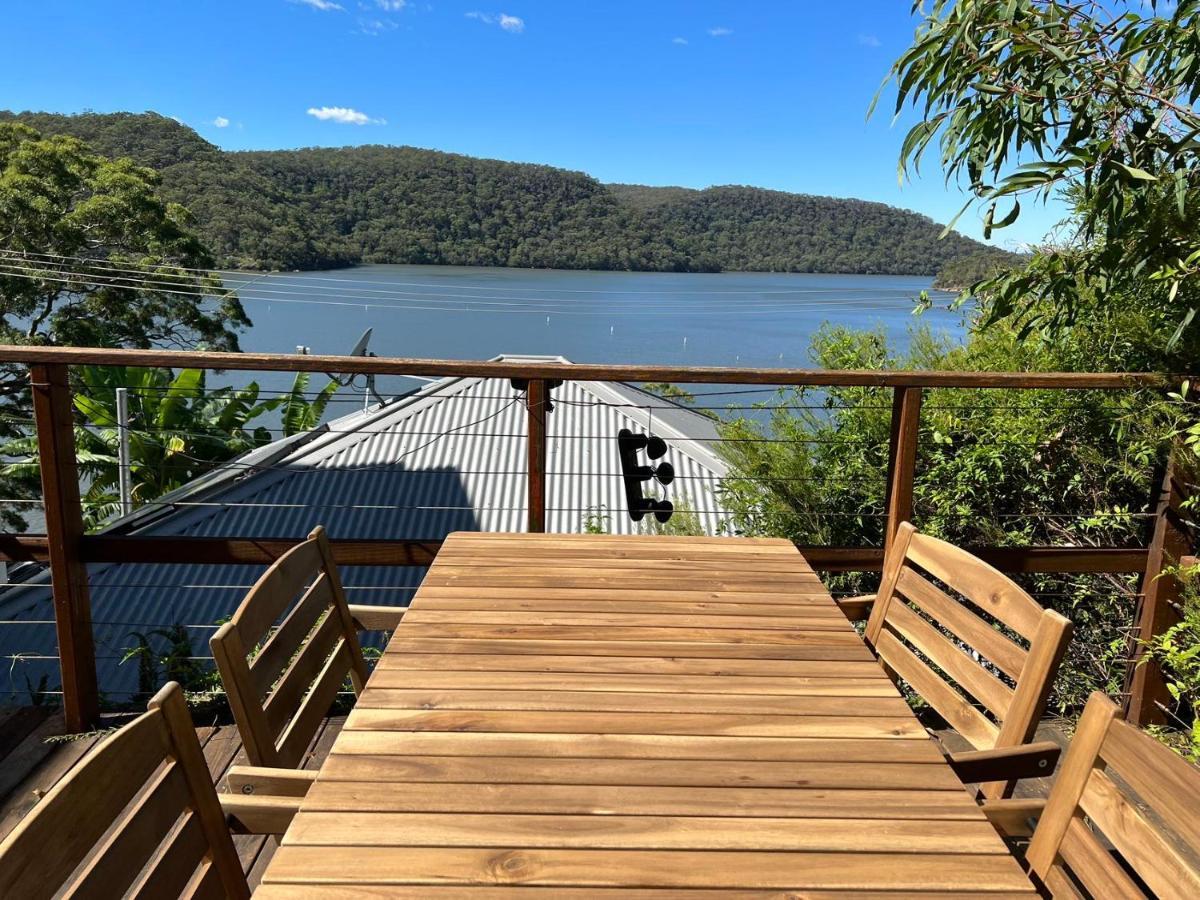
x: 1026, y: 98
x: 65, y: 211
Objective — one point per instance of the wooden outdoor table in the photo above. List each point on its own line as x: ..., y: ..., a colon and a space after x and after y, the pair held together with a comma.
x: 574, y: 716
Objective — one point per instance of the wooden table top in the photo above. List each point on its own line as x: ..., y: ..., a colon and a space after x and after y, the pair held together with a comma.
x: 568, y: 716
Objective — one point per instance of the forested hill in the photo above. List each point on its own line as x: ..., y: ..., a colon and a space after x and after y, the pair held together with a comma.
x: 321, y: 208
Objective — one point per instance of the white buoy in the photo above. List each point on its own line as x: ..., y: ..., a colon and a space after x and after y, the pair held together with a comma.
x: 547, y: 320
x: 611, y: 328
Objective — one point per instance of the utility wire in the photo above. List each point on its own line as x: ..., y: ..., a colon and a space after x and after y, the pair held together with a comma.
x: 491, y: 287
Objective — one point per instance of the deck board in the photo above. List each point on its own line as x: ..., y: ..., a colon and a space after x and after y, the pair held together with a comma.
x: 571, y: 716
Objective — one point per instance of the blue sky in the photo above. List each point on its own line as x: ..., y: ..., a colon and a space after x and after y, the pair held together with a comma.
x: 696, y: 93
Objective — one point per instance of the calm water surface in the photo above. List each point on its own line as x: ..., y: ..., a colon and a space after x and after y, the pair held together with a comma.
x: 736, y: 319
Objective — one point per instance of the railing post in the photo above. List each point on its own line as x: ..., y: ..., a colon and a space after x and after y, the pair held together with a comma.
x: 64, y: 529
x: 535, y: 398
x: 1160, y: 598
x: 902, y: 460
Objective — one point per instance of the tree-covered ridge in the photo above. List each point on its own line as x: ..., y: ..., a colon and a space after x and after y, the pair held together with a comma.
x: 316, y: 208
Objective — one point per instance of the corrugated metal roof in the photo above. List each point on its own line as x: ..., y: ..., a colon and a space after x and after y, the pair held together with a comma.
x: 448, y: 457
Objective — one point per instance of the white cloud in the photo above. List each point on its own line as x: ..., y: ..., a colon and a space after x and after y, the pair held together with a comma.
x: 869, y: 40
x: 720, y: 31
x: 221, y: 122
x: 391, y: 5
x: 375, y: 26
x: 343, y: 115
x: 322, y: 5
x: 511, y: 24
x: 681, y: 41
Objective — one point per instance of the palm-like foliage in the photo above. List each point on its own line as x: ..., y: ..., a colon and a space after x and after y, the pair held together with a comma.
x: 179, y: 430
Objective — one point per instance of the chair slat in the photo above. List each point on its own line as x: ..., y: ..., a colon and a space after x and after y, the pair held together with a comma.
x: 300, y: 732
x: 1061, y: 886
x: 953, y: 707
x: 141, y: 807
x: 1164, y: 780
x: 1094, y: 868
x: 970, y: 629
x: 950, y: 647
x: 42, y: 852
x: 987, y: 588
x: 1141, y: 799
x: 977, y: 681
x: 186, y: 749
x: 1167, y: 873
x: 1072, y: 777
x: 273, y: 658
x: 137, y: 838
x: 281, y: 706
x: 1020, y: 720
x: 275, y: 590
x: 294, y: 655
x: 205, y: 885
x: 168, y: 875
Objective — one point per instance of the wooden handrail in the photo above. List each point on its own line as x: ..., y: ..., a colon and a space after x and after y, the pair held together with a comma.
x: 114, y: 548
x: 380, y: 365
x: 68, y: 550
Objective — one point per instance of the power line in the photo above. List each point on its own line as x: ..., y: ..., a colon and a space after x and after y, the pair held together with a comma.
x: 359, y: 288
x: 454, y: 303
x: 605, y: 291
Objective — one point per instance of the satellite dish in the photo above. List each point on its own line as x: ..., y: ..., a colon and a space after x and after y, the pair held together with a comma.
x: 360, y: 349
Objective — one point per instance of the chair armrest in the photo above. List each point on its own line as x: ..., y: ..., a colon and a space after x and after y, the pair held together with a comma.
x: 856, y: 608
x: 1006, y: 763
x: 266, y: 781
x: 376, y: 618
x: 1011, y: 817
x: 259, y: 815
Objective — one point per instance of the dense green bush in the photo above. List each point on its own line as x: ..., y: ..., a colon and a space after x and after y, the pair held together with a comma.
x: 1009, y: 468
x: 1177, y: 650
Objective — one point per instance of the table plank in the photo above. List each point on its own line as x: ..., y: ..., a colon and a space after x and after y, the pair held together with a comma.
x: 645, y: 868
x: 637, y: 746
x: 346, y: 828
x: 574, y: 716
x: 329, y: 794
x: 632, y: 701
x: 514, y: 892
x: 492, y: 678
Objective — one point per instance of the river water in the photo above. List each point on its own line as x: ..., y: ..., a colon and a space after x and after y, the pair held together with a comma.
x: 734, y: 319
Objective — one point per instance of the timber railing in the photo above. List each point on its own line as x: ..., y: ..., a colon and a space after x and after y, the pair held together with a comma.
x: 67, y: 548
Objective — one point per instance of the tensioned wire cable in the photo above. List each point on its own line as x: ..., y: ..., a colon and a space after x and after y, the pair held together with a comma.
x: 455, y: 304
x: 170, y: 276
x: 681, y: 291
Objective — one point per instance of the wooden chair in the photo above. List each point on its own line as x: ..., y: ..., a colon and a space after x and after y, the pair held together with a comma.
x: 1121, y: 820
x: 952, y: 674
x: 282, y: 678
x: 138, y: 815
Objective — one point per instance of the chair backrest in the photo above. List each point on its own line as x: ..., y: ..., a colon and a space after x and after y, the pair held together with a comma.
x: 286, y: 652
x: 990, y: 686
x: 1121, y: 819
x: 138, y: 816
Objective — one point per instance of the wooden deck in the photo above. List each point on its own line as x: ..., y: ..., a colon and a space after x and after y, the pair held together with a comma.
x: 583, y: 715
x: 30, y: 765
